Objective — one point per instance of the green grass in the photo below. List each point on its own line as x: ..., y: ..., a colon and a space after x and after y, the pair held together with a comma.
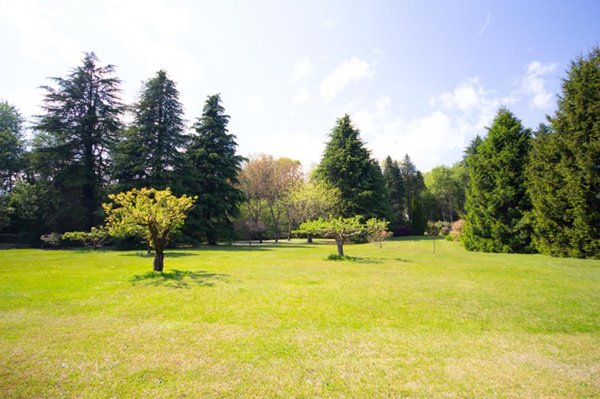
x: 283, y: 321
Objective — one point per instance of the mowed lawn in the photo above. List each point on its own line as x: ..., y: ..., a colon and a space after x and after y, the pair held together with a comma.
x: 283, y: 321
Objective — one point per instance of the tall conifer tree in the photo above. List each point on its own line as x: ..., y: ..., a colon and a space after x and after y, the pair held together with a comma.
x: 72, y: 149
x: 348, y: 166
x: 213, y: 174
x: 564, y: 168
x: 497, y: 203
x: 151, y: 151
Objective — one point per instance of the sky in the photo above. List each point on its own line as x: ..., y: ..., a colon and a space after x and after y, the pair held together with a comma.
x: 416, y: 77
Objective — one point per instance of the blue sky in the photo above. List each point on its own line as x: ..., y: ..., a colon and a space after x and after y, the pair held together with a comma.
x: 416, y: 77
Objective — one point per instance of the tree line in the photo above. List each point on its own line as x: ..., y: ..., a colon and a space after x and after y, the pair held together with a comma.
x: 517, y: 190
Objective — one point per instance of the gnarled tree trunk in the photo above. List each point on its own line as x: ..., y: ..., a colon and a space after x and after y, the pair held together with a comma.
x: 340, y: 246
x: 159, y: 261
x: 309, y: 238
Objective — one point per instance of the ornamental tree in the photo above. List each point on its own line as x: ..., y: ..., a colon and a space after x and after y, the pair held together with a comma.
x: 342, y: 229
x: 148, y: 213
x: 95, y: 238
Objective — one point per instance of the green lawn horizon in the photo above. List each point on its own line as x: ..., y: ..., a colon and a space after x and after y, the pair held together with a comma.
x: 281, y: 320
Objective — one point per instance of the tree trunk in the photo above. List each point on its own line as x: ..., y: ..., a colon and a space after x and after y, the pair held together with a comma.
x: 211, y: 238
x: 309, y: 238
x: 159, y: 261
x: 340, y: 246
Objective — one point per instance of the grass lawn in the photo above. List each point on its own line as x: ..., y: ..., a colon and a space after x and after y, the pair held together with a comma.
x: 283, y: 321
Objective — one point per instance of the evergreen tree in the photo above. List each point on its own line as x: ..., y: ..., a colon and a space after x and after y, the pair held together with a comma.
x: 414, y: 184
x: 497, y: 203
x: 11, y: 145
x: 564, y: 168
x: 72, y: 148
x: 213, y: 174
x: 417, y: 223
x: 396, y: 190
x: 348, y: 166
x: 150, y: 152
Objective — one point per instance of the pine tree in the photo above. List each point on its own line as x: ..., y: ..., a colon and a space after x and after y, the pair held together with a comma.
x: 564, y: 167
x: 75, y: 135
x: 414, y: 184
x: 396, y: 190
x: 348, y: 166
x: 213, y: 174
x: 11, y: 146
x: 150, y: 153
x: 497, y: 203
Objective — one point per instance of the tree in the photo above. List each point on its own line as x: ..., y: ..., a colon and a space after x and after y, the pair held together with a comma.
x: 95, y: 238
x: 75, y: 135
x: 266, y: 183
x: 563, y: 175
x: 312, y: 200
x: 418, y: 222
x: 150, y: 151
x: 11, y: 145
x: 347, y: 165
x: 213, y: 173
x: 342, y: 229
x: 397, y: 192
x: 149, y: 213
x: 414, y: 184
x: 497, y: 204
x: 444, y: 184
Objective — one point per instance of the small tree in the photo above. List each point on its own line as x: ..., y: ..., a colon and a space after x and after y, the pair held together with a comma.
x: 95, y: 238
x: 149, y: 213
x: 342, y: 229
x: 377, y: 231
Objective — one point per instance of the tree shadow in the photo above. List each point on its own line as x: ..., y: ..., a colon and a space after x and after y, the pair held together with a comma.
x: 178, y: 279
x: 353, y: 259
x: 168, y: 254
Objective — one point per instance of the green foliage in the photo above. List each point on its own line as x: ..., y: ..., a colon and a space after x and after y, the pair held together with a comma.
x: 213, y: 174
x: 150, y: 151
x: 154, y: 215
x: 446, y: 185
x: 396, y: 189
x: 414, y: 185
x: 95, y: 238
x: 342, y: 229
x: 11, y: 145
x: 418, y: 221
x: 564, y: 172
x: 75, y: 136
x: 348, y: 166
x: 497, y: 203
x: 377, y: 231
x: 312, y: 200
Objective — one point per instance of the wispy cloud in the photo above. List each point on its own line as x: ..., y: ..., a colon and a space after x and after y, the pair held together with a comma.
x: 485, y: 25
x: 302, y: 70
x: 534, y: 84
x: 352, y: 70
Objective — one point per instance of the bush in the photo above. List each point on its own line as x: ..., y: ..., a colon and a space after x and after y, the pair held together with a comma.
x: 51, y: 240
x: 456, y: 230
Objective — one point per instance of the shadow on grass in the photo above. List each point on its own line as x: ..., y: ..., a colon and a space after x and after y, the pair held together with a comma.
x: 177, y: 278
x: 353, y: 259
x: 167, y: 254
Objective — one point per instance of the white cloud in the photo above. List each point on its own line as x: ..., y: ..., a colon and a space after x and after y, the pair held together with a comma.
x: 40, y: 30
x: 438, y: 137
x: 255, y: 104
x: 483, y: 27
x: 295, y: 144
x: 352, y: 70
x: 301, y: 96
x: 533, y: 84
x: 302, y: 70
